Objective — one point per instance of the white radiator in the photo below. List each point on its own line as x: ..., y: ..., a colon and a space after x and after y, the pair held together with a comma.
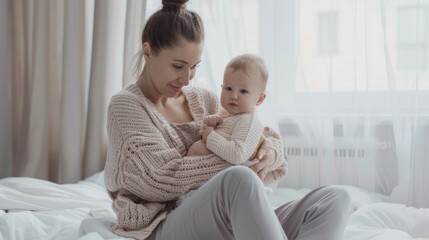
x: 358, y: 161
x: 348, y: 161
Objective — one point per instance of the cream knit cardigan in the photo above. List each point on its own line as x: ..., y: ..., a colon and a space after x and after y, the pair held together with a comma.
x: 147, y: 169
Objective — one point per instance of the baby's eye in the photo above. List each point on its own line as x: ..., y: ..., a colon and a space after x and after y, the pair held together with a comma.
x: 228, y: 88
x: 243, y: 91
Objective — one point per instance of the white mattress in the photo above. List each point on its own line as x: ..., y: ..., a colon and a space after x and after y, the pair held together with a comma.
x: 38, y: 209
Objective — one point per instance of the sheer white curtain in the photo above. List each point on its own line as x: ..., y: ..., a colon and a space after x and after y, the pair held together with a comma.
x: 231, y: 28
x: 61, y: 61
x: 348, y: 86
x: 356, y: 111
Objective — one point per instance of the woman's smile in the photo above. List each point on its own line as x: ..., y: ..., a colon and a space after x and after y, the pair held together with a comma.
x: 176, y: 89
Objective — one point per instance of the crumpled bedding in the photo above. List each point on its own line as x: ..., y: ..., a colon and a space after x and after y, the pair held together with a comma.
x: 37, y: 209
x: 388, y: 221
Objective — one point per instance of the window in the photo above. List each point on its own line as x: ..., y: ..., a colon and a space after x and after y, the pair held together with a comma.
x: 328, y: 33
x: 337, y: 55
x: 413, y: 38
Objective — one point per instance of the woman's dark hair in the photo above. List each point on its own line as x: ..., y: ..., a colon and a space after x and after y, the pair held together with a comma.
x: 164, y: 28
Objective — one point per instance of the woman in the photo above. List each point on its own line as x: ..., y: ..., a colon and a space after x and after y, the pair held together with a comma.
x: 153, y: 122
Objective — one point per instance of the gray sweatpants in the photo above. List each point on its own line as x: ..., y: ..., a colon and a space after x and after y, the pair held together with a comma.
x: 233, y: 205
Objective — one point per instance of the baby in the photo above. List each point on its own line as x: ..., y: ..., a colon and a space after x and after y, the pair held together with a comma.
x: 235, y: 133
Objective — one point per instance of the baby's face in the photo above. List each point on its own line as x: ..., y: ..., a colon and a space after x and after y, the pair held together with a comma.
x: 241, y: 92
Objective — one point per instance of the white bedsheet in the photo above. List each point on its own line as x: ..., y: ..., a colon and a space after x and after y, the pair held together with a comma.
x: 388, y: 221
x: 38, y: 209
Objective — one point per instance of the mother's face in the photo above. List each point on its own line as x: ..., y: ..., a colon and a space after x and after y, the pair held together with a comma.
x: 172, y: 68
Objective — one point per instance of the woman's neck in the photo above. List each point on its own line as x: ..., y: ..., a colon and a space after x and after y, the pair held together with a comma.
x: 148, y: 89
x: 174, y: 109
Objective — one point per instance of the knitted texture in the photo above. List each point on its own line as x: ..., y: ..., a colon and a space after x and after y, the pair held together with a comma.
x: 236, y: 139
x: 147, y: 168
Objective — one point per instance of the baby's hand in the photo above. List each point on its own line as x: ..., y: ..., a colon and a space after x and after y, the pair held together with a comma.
x: 205, y: 131
x: 213, y: 120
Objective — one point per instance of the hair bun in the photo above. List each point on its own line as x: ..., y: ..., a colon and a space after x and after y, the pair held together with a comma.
x: 174, y: 4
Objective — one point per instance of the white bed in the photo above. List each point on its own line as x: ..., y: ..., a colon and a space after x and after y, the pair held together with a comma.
x: 37, y: 209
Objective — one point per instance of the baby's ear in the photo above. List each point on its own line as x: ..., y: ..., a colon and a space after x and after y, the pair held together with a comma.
x: 261, y: 99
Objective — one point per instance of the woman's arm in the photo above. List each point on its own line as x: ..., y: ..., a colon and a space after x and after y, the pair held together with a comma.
x: 155, y: 171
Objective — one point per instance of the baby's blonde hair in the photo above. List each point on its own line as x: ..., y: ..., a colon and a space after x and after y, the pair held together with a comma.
x: 250, y: 64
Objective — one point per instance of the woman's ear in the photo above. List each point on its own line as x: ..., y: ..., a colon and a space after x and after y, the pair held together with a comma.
x: 146, y: 51
x: 261, y: 99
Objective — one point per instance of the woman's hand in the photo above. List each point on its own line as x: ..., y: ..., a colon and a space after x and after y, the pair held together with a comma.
x: 266, y: 156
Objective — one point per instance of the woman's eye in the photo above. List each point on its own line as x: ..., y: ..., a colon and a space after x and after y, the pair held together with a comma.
x: 177, y: 66
x: 195, y: 66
